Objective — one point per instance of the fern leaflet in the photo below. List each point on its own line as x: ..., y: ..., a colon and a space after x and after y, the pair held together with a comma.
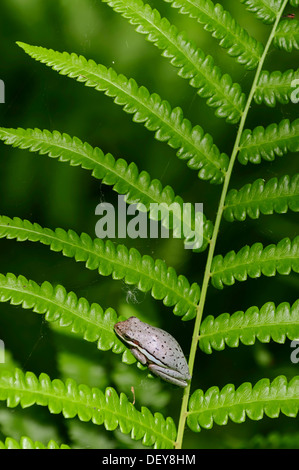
x: 90, y: 322
x: 287, y: 35
x: 276, y: 139
x: 109, y: 259
x: 276, y: 86
x: 219, y: 22
x: 265, y: 10
x: 265, y: 397
x: 254, y: 261
x: 126, y: 179
x: 168, y: 124
x: 219, y: 90
x: 88, y: 404
x: 276, y: 195
x: 269, y: 322
x: 27, y: 443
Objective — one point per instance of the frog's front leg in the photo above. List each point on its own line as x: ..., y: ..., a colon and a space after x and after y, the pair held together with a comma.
x: 169, y: 375
x: 139, y: 356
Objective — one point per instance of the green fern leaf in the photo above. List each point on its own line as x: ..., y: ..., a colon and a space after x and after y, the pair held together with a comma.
x: 276, y: 86
x: 264, y: 398
x: 255, y: 260
x: 287, y: 35
x: 168, y: 124
x: 276, y: 195
x: 109, y: 259
x: 126, y: 179
x: 88, y: 404
x: 276, y: 139
x: 219, y: 90
x: 223, y: 26
x: 27, y: 443
x: 88, y: 321
x: 265, y: 10
x: 269, y: 322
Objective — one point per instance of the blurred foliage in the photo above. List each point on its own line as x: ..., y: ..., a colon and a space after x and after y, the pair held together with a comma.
x: 57, y: 195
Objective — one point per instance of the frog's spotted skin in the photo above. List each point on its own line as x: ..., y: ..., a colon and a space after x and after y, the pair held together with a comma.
x: 156, y: 348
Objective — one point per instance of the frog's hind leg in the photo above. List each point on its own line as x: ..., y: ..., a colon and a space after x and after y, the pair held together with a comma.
x: 168, y: 375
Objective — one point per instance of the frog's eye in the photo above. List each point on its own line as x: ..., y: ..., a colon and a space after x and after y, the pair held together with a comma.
x: 126, y: 337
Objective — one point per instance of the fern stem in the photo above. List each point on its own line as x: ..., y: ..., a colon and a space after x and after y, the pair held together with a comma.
x: 212, y: 247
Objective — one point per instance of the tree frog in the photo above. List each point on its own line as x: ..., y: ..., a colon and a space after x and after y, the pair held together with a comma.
x: 156, y: 348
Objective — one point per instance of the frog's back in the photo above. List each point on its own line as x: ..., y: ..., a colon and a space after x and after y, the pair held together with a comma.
x: 165, y: 347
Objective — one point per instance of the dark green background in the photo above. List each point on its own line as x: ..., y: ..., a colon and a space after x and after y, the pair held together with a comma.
x: 57, y: 195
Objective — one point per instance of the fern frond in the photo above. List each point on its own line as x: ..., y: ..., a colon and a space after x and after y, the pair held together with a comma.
x: 269, y: 322
x: 276, y: 139
x: 223, y: 26
x: 110, y: 259
x: 275, y: 86
x: 88, y: 321
x: 27, y: 443
x: 255, y: 260
x: 169, y: 125
x: 264, y: 398
x: 276, y: 195
x: 287, y: 35
x: 265, y: 10
x: 219, y: 90
x: 88, y: 404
